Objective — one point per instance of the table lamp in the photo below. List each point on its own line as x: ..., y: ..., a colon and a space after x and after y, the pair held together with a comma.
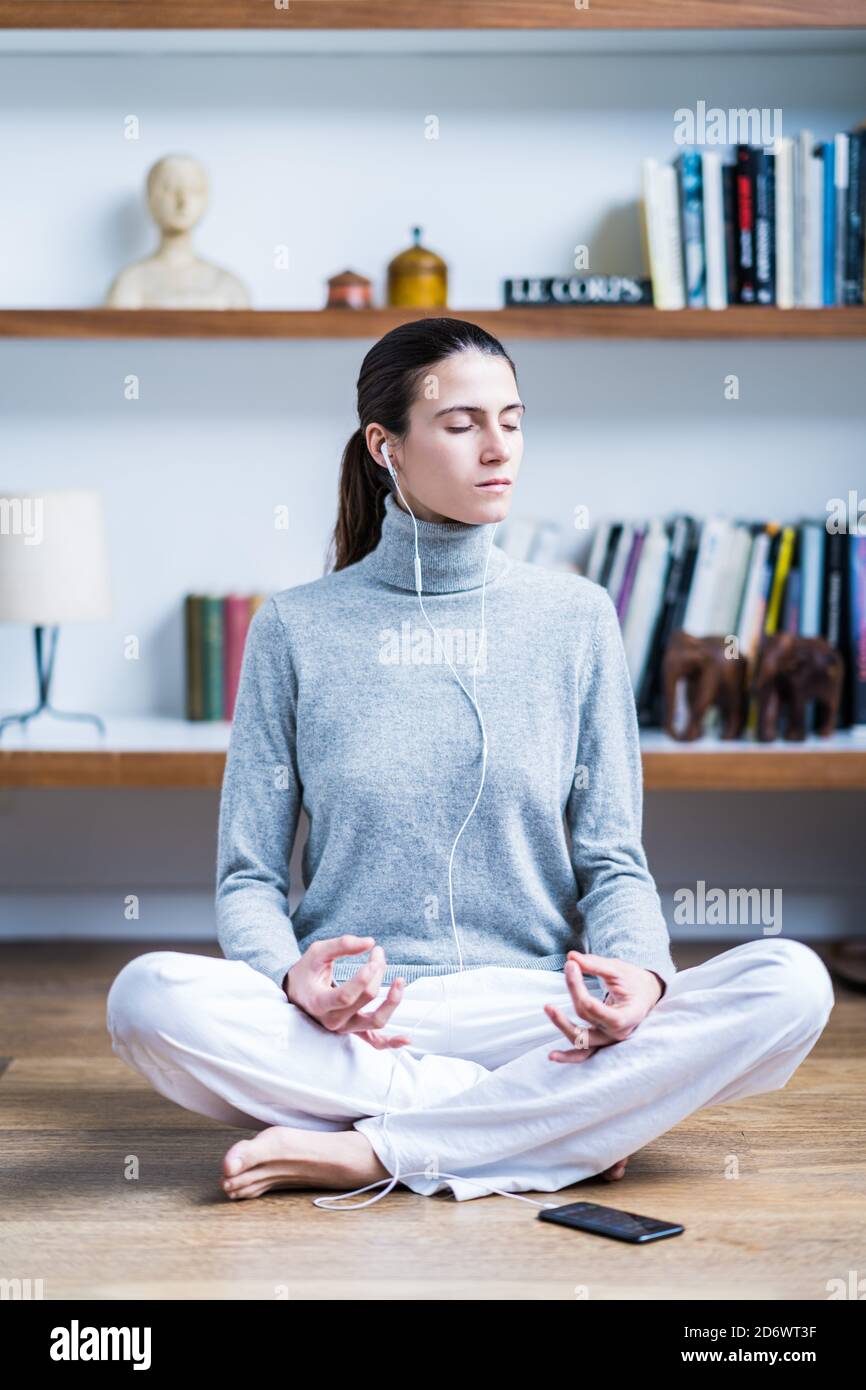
x: 53, y: 570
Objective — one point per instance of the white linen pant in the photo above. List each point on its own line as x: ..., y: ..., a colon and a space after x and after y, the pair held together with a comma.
x: 475, y: 1094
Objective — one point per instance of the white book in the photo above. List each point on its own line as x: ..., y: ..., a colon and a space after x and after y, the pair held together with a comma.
x: 732, y: 580
x: 708, y: 565
x: 663, y: 234
x: 805, y: 141
x: 714, y: 230
x: 840, y: 179
x: 671, y: 237
x: 751, y: 619
x: 784, y: 152
x: 649, y: 184
x: 815, y: 199
x: 645, y: 601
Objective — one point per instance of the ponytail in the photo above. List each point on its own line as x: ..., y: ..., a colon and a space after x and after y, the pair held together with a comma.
x: 361, y: 506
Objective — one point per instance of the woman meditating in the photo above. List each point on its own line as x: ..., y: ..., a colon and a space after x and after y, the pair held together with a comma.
x: 475, y: 992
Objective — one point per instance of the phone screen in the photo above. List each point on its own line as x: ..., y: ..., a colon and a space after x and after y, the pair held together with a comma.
x: 610, y: 1221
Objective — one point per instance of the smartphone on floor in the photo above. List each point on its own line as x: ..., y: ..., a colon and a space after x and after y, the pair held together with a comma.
x: 610, y: 1221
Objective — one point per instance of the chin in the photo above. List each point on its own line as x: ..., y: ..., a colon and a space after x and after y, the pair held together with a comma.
x: 493, y: 506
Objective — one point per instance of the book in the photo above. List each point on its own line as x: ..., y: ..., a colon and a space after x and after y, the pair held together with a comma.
x: 840, y: 178
x: 856, y: 671
x: 765, y: 227
x: 852, y: 270
x: 714, y: 230
x: 784, y: 235
x: 829, y: 246
x: 691, y: 202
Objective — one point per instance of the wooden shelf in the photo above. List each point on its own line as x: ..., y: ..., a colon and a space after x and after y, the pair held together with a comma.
x: 419, y: 14
x: 174, y: 753
x: 620, y: 322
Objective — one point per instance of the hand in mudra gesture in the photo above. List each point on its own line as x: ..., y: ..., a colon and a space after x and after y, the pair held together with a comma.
x: 337, y: 1007
x: 631, y: 993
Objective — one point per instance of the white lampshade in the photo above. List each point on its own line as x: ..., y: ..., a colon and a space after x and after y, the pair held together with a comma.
x: 53, y: 558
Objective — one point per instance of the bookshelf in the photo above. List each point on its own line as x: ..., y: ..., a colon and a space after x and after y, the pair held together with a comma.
x: 177, y: 753
x: 172, y: 754
x: 418, y: 14
x: 630, y: 322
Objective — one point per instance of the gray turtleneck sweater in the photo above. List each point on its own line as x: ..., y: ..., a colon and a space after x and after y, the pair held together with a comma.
x: 346, y: 708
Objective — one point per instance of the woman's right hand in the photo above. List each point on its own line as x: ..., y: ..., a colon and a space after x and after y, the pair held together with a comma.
x: 309, y: 985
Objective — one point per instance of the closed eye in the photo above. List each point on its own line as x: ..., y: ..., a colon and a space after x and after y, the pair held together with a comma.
x: 461, y: 429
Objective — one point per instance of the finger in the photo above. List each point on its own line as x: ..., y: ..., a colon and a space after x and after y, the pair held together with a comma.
x: 334, y: 946
x: 379, y: 1016
x: 588, y: 1036
x: 589, y: 1008
x: 607, y: 968
x: 358, y: 1021
x: 382, y: 1040
x: 572, y: 1055
x: 351, y: 995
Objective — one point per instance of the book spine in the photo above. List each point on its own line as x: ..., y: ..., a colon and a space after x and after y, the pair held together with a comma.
x: 729, y: 208
x: 841, y: 241
x: 852, y: 281
x: 714, y: 230
x: 691, y: 198
x: 829, y: 257
x: 193, y: 646
x: 212, y: 656
x: 857, y: 642
x: 746, y: 283
x: 765, y: 224
x: 236, y: 621
x: 784, y: 232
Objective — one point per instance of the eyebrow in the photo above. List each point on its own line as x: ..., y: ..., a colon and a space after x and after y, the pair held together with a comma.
x: 478, y: 409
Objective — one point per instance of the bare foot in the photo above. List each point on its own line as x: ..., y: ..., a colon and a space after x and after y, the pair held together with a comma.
x: 616, y: 1170
x: 284, y: 1157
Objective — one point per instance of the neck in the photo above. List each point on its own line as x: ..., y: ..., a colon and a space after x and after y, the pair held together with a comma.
x: 453, y: 553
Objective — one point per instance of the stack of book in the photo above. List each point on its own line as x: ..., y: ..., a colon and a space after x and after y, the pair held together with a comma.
x: 743, y: 579
x: 215, y: 629
x: 780, y: 225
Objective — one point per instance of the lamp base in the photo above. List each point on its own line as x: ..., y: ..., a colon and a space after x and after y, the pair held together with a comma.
x: 44, y: 669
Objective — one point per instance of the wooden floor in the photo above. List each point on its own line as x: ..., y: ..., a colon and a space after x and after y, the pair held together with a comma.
x: 74, y: 1117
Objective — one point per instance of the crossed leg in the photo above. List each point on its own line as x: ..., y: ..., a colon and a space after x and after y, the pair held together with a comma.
x: 475, y: 1094
x: 739, y: 1024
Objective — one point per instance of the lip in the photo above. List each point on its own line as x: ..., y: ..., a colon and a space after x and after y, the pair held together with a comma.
x: 495, y: 484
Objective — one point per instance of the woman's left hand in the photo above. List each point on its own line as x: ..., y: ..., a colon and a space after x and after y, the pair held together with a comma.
x: 631, y: 993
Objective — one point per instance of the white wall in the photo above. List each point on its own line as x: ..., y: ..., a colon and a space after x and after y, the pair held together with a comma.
x: 328, y: 155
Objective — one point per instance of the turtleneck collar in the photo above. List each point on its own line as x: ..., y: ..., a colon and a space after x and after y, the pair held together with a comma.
x: 453, y: 553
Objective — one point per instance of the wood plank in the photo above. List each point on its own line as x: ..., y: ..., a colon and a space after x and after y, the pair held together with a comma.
x: 639, y: 322
x: 781, y: 769
x: 419, y: 14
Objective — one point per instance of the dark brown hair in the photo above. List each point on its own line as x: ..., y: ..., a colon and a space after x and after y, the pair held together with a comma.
x: 390, y: 376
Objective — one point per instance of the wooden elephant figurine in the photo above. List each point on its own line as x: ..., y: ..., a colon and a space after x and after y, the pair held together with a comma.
x: 791, y: 671
x: 712, y: 678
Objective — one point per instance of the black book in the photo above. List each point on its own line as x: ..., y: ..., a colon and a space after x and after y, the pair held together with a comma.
x: 612, y: 540
x: 765, y: 226
x: 835, y: 624
x: 852, y: 277
x: 678, y: 580
x: 729, y: 212
x: 746, y: 276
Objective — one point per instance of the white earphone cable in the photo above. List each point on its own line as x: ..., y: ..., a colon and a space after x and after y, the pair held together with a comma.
x: 327, y: 1202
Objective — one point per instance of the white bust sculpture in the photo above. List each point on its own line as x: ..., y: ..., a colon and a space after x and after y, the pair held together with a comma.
x: 174, y: 277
